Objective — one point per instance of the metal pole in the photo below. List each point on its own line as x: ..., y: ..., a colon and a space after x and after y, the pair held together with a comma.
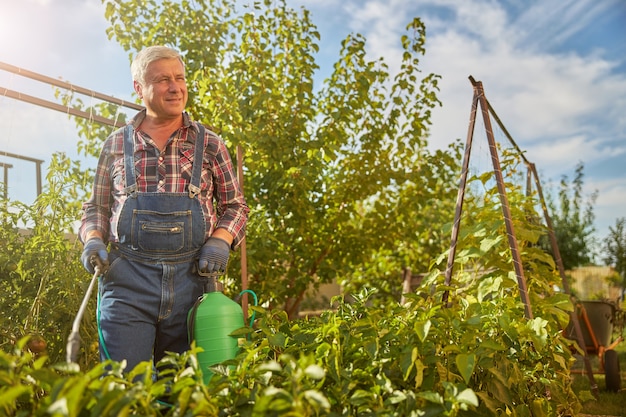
x: 6, y: 179
x: 68, y: 86
x: 38, y: 169
x: 55, y: 106
x: 37, y: 162
x: 73, y: 342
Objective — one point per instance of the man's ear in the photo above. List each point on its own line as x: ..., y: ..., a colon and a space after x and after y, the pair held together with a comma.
x: 138, y: 89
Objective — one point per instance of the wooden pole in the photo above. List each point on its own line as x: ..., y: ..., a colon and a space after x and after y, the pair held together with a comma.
x: 559, y: 263
x: 460, y: 197
x: 244, y: 255
x: 506, y: 211
x: 532, y: 172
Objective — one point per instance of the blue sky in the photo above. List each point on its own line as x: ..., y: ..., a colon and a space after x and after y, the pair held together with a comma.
x: 554, y: 70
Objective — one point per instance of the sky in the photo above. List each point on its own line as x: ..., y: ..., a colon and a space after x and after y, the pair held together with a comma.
x: 553, y: 70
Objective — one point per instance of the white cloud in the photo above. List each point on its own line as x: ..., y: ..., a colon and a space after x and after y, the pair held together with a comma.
x: 559, y: 152
x: 550, y: 22
x: 560, y: 107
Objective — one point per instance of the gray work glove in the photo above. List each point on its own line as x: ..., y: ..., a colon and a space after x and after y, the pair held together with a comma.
x: 214, y: 255
x: 95, y: 254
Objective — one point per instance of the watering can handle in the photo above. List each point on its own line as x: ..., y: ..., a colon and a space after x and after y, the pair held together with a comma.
x: 212, y: 284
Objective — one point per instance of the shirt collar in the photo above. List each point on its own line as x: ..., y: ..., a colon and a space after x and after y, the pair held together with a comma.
x: 139, y: 117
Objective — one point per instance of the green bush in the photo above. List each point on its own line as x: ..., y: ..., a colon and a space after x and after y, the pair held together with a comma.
x: 41, y: 279
x: 478, y: 354
x: 469, y: 358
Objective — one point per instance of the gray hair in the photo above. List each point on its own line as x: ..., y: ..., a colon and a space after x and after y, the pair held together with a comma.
x: 148, y: 55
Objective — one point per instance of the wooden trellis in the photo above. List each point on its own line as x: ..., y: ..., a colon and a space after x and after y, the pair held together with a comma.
x: 487, y: 112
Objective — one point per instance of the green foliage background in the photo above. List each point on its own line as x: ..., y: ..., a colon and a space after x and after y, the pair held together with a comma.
x: 342, y: 187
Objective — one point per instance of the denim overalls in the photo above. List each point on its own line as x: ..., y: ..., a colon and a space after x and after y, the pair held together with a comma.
x: 152, y: 282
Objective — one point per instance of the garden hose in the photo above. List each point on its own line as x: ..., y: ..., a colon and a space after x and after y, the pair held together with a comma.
x: 100, y: 335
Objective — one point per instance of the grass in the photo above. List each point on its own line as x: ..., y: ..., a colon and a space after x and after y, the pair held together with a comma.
x: 608, y: 403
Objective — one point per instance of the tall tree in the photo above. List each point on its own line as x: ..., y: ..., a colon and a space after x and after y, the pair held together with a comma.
x: 615, y: 250
x: 573, y: 221
x: 327, y: 169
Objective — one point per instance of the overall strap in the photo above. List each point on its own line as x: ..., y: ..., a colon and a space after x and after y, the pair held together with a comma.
x: 198, y: 153
x: 129, y: 160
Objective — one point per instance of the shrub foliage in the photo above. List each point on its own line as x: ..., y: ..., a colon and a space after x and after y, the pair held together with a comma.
x: 475, y: 355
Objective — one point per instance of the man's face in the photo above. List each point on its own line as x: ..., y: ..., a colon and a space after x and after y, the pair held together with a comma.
x: 164, y: 91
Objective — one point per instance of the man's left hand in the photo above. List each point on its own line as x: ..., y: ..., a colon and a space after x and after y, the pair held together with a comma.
x: 214, y: 255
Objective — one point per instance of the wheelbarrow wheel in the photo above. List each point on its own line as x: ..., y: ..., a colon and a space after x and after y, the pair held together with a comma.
x: 611, y: 371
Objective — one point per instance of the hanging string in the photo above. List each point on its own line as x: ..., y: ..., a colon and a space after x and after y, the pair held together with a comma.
x: 90, y: 120
x: 115, y: 119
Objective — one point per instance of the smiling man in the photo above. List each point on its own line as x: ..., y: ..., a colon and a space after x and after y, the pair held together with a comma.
x: 165, y: 205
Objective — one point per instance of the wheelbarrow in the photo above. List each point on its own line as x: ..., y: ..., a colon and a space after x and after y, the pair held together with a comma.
x: 598, y: 321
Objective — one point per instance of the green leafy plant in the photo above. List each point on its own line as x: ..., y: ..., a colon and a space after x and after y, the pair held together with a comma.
x: 42, y: 281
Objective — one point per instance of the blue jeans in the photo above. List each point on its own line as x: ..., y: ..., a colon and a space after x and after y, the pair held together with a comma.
x: 144, y: 307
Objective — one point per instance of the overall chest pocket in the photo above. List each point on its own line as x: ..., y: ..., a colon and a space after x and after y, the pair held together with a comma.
x: 161, y: 233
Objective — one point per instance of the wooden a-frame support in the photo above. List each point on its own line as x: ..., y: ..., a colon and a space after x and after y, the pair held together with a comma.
x: 486, y: 109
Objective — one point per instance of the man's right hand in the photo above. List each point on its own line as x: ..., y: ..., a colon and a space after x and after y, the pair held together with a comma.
x: 95, y: 254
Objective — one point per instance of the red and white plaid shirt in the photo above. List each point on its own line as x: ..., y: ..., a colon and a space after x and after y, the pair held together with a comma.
x: 169, y: 171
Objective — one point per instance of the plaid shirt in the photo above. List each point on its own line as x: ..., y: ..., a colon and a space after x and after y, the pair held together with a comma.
x: 168, y: 171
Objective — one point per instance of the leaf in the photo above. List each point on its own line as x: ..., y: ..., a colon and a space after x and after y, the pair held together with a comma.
x: 560, y: 300
x: 419, y: 374
x: 465, y: 364
x: 422, y: 328
x: 59, y: 407
x: 468, y: 396
x: 540, y: 408
x: 488, y: 243
x: 498, y: 387
x: 539, y: 327
x: 431, y: 396
x: 492, y: 345
x: 396, y: 397
x: 318, y: 398
x: 361, y: 397
x: 242, y: 331
x: 315, y: 372
x: 277, y: 339
x: 488, y: 286
x: 8, y: 396
x: 273, y: 366
x: 407, y: 362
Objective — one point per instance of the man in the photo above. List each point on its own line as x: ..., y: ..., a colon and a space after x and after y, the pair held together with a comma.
x: 167, y: 202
